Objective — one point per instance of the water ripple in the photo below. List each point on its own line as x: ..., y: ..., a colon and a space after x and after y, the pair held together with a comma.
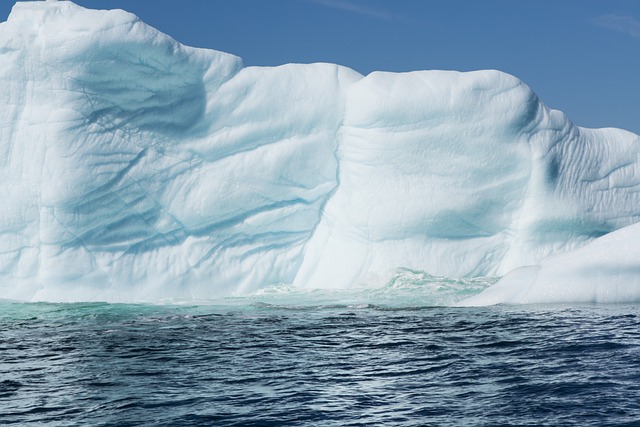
x: 99, y: 364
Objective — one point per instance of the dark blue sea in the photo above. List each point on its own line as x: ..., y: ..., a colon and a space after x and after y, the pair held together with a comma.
x: 252, y: 363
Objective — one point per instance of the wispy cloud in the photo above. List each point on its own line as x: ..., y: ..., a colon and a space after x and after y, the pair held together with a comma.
x: 361, y: 8
x: 622, y: 23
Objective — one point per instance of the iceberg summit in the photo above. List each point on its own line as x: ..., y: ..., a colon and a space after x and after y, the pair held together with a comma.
x: 133, y: 168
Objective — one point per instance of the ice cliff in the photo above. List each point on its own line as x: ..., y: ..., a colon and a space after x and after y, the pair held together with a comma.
x: 135, y: 168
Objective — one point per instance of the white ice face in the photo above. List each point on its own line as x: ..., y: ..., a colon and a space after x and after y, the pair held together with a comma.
x: 134, y: 168
x: 607, y: 270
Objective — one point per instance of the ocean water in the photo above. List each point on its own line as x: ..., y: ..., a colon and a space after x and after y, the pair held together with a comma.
x: 395, y: 356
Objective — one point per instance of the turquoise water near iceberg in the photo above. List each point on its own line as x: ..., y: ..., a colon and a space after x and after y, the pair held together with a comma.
x: 387, y: 356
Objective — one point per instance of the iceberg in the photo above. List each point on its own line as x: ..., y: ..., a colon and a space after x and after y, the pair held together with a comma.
x: 134, y: 168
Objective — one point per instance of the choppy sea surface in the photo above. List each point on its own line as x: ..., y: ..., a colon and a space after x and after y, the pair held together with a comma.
x: 395, y: 356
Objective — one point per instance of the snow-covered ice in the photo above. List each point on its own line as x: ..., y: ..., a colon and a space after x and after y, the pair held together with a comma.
x: 606, y: 270
x: 135, y: 168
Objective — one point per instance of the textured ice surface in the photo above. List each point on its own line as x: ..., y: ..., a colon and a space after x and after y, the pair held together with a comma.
x: 465, y: 174
x: 606, y: 270
x: 135, y: 168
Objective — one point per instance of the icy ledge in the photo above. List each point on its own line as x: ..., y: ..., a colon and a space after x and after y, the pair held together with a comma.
x: 133, y: 168
x: 606, y: 270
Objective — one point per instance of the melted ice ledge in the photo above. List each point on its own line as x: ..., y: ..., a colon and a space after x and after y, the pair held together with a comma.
x: 135, y: 168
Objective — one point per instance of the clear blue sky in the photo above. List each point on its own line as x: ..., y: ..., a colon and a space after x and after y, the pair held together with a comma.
x: 580, y: 56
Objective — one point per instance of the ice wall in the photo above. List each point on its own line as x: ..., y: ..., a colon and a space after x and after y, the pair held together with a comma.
x: 135, y: 168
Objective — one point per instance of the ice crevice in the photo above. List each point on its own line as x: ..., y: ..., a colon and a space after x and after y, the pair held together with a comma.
x: 133, y: 168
